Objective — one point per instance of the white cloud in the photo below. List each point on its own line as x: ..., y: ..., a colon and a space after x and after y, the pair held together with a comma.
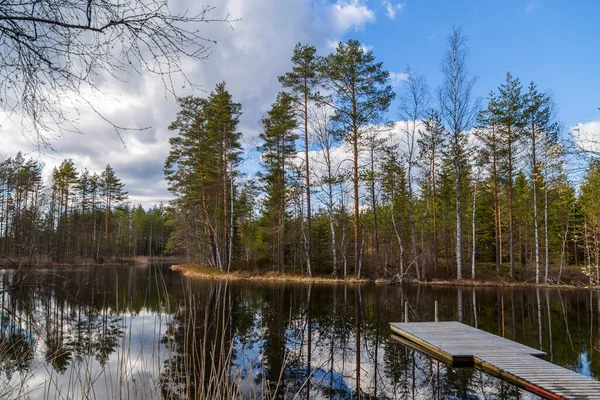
x: 332, y: 44
x: 392, y: 9
x: 351, y: 14
x: 249, y: 58
x: 587, y: 136
x: 366, y: 47
x: 398, y: 78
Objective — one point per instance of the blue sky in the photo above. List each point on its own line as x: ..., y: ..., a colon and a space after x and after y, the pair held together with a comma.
x: 554, y: 43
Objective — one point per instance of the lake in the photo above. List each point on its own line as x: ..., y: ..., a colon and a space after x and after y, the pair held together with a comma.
x: 148, y: 332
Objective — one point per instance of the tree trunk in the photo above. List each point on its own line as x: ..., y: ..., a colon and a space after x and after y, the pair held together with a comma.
x: 434, y: 200
x: 546, y: 244
x: 497, y: 214
x: 308, y: 209
x: 535, y: 208
x: 473, y: 232
x: 459, y: 249
x: 398, y: 237
x: 231, y: 231
x: 511, y: 247
x: 374, y: 206
x: 355, y: 182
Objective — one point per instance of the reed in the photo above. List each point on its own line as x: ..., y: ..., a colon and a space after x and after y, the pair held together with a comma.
x: 189, y: 353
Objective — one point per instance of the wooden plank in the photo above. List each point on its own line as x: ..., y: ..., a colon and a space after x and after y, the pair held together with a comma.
x: 457, y: 344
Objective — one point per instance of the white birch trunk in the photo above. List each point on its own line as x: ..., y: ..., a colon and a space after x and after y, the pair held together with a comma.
x: 399, y: 239
x: 536, y: 231
x: 474, y: 250
x: 546, y: 244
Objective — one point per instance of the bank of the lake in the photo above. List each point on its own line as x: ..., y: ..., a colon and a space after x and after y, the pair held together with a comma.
x: 573, y: 278
x: 47, y: 262
x: 205, y: 272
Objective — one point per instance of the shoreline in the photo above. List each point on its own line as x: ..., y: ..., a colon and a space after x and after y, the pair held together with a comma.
x: 44, y: 263
x: 200, y: 272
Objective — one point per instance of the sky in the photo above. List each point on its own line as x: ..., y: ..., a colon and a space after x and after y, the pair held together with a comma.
x: 554, y: 43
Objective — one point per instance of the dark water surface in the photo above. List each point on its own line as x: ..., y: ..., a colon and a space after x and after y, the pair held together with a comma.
x: 148, y: 332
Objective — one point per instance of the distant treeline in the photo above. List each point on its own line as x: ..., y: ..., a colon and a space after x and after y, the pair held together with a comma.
x: 77, y: 217
x: 453, y: 187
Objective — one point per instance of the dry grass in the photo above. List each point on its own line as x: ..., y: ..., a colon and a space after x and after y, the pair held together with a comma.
x: 571, y: 278
x: 198, y: 271
x: 197, y: 365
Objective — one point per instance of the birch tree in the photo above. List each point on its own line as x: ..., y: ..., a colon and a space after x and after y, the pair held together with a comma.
x: 541, y: 133
x: 458, y: 111
x: 331, y: 176
x: 413, y: 103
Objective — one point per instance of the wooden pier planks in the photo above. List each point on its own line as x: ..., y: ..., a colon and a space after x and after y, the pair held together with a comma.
x: 458, y: 344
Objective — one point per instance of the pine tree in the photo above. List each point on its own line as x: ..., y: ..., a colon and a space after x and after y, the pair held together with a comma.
x: 191, y: 170
x: 302, y: 82
x: 361, y: 96
x: 431, y: 143
x: 590, y: 193
x: 222, y: 119
x: 277, y: 149
x: 113, y: 191
x: 541, y: 131
x: 511, y: 121
x: 64, y: 178
x: 493, y: 143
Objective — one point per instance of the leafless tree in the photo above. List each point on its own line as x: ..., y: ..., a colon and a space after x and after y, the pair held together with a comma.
x: 55, y: 53
x: 413, y: 103
x: 458, y: 111
x: 328, y: 174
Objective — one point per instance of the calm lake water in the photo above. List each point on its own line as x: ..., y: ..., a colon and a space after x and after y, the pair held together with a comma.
x: 148, y: 332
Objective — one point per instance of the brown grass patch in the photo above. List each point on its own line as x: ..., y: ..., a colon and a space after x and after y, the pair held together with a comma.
x: 491, y: 280
x: 206, y: 272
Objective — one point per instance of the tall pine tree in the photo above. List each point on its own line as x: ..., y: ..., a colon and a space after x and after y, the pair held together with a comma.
x: 361, y: 97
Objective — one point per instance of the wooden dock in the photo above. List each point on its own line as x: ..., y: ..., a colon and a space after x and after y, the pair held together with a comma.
x: 457, y: 344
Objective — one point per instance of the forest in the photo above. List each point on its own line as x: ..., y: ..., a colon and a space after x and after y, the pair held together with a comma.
x: 351, y: 179
x: 444, y: 185
x: 77, y: 217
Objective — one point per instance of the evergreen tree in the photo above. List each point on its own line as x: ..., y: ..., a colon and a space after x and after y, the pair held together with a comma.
x: 541, y: 131
x: 302, y: 82
x: 222, y: 119
x: 113, y: 191
x: 191, y: 170
x: 494, y: 147
x: 278, y: 149
x: 510, y: 107
x: 361, y: 96
x: 590, y: 193
x: 431, y: 144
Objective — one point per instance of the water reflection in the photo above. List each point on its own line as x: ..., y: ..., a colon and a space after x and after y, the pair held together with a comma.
x: 150, y: 333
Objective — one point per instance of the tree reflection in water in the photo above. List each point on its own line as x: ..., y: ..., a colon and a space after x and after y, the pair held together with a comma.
x: 150, y: 333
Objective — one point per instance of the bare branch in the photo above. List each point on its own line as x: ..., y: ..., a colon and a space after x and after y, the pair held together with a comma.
x: 52, y: 50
